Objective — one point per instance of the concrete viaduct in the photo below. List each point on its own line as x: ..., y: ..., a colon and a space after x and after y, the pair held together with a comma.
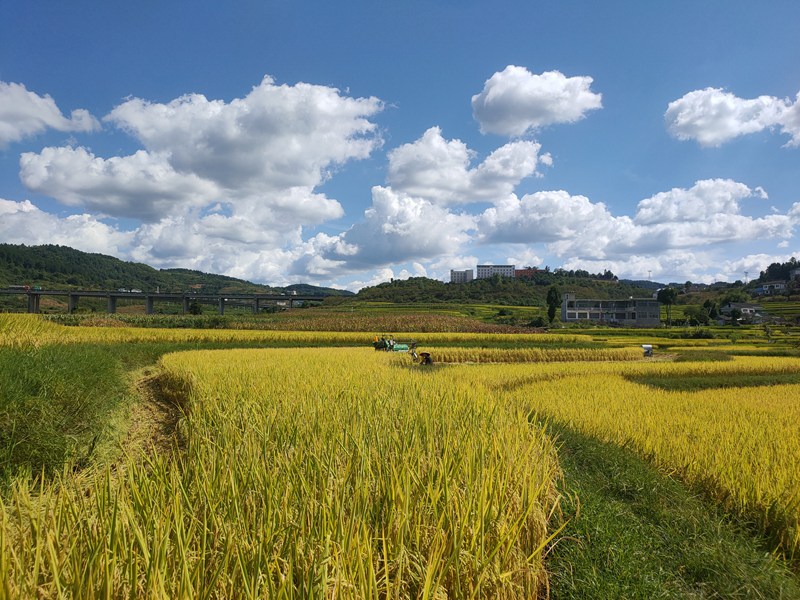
x: 150, y: 298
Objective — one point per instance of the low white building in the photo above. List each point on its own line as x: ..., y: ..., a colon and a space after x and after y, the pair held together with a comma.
x: 635, y: 312
x: 486, y: 271
x: 461, y: 276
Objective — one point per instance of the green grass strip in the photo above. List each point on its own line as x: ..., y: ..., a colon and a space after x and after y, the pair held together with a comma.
x: 55, y: 405
x: 636, y: 533
x: 710, y: 382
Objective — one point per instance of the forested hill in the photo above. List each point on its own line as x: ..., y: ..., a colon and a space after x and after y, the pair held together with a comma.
x: 500, y: 290
x: 61, y: 267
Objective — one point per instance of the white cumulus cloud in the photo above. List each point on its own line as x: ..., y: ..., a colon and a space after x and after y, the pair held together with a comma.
x: 753, y: 264
x: 24, y: 113
x: 690, y: 265
x: 24, y: 223
x: 439, y: 170
x: 201, y: 245
x: 515, y: 101
x: 141, y: 186
x: 702, y: 201
x: 276, y: 137
x: 712, y: 116
x: 243, y: 172
x: 397, y: 228
x: 577, y: 229
x: 546, y: 216
x: 525, y: 257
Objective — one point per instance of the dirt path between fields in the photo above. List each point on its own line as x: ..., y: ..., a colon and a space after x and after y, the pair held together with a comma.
x: 153, y: 418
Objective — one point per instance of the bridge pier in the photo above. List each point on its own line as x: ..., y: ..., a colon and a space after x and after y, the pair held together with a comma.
x: 112, y: 304
x: 222, y: 306
x: 256, y: 306
x: 33, y: 303
x: 72, y: 304
x: 149, y: 305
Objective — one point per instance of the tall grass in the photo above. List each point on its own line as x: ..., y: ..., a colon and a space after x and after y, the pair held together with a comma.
x: 55, y: 404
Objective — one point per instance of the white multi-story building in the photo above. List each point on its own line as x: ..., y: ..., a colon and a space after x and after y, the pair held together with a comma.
x: 461, y: 276
x: 486, y: 271
x: 636, y: 312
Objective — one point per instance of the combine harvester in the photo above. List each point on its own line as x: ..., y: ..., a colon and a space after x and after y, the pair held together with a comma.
x: 389, y: 344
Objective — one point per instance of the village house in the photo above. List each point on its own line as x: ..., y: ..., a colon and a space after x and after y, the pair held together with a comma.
x: 771, y: 288
x: 748, y: 313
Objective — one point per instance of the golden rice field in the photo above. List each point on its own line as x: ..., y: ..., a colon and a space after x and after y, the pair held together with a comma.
x: 533, y: 355
x: 422, y: 322
x: 31, y: 330
x: 741, y: 445
x: 348, y: 473
x: 305, y: 473
x: 416, y: 319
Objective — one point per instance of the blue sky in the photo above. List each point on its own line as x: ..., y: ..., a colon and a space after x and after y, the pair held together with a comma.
x: 347, y: 143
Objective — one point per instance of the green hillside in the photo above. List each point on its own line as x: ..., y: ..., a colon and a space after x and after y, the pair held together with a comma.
x: 500, y: 290
x: 61, y: 267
